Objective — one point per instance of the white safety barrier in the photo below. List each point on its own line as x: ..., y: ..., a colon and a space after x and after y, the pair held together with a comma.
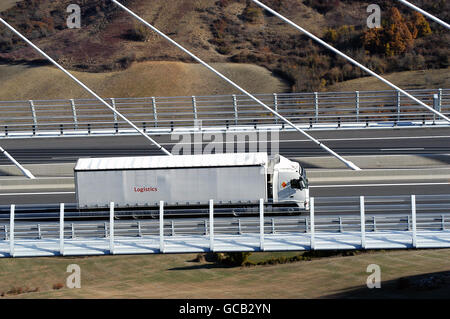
x: 314, y: 231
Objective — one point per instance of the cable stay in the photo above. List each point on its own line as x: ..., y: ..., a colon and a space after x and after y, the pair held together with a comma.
x: 320, y: 41
x: 323, y: 146
x: 160, y: 147
x: 432, y: 17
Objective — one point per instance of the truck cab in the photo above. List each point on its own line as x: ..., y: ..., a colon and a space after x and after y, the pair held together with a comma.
x: 289, y: 183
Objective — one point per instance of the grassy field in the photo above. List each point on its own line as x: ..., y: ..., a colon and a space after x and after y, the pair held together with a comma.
x: 178, y: 276
x: 426, y: 79
x: 21, y: 82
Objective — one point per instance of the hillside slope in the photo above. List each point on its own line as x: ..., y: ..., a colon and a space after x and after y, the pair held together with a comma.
x: 6, y: 4
x: 233, y: 31
x: 21, y: 82
x: 411, y: 80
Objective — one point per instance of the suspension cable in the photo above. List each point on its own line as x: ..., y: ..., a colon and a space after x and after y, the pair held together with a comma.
x: 320, y: 41
x: 432, y: 17
x: 346, y: 162
x: 160, y: 147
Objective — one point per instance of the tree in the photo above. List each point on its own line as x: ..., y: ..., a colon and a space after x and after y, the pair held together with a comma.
x: 398, y: 38
x: 419, y: 26
x: 394, y: 37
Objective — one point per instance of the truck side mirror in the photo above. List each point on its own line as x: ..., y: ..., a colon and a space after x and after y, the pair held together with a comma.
x: 296, y: 183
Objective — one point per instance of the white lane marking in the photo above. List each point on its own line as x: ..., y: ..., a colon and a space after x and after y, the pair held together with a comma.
x: 403, y: 149
x: 379, y: 185
x: 42, y: 193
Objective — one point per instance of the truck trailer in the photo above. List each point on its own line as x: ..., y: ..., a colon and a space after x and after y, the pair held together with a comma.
x: 190, y: 180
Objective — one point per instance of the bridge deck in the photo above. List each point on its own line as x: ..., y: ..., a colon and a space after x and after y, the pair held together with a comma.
x: 225, y: 243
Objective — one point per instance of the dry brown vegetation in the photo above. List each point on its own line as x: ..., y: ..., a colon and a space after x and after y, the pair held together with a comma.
x: 178, y: 276
x: 21, y: 82
x: 425, y: 79
x: 234, y: 31
x: 6, y: 4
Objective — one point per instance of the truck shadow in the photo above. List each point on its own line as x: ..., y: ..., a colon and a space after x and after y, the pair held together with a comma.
x: 203, y: 261
x: 424, y: 286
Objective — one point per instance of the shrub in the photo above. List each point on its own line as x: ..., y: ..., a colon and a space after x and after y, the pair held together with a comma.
x: 139, y: 33
x: 126, y: 61
x: 233, y: 259
x: 392, y: 39
x: 252, y: 14
x: 419, y: 26
x: 322, y: 6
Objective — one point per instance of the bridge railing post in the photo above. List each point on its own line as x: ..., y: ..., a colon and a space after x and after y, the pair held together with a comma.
x: 261, y: 224
x: 357, y: 105
x: 161, y: 227
x: 235, y: 107
x: 111, y: 228
x: 11, y: 230
x: 61, y: 229
x: 435, y: 106
x: 211, y: 225
x: 113, y: 104
x: 155, y: 112
x: 74, y: 113
x: 194, y: 109
x: 312, y: 226
x: 398, y: 105
x: 33, y: 113
x: 414, y: 221
x: 316, y: 106
x: 275, y: 106
x: 362, y: 210
x: 139, y: 228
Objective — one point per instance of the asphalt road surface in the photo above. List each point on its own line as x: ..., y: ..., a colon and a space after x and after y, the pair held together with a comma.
x: 389, y: 188
x: 291, y: 144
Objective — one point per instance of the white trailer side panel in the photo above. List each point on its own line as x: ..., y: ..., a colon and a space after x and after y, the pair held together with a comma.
x: 175, y: 186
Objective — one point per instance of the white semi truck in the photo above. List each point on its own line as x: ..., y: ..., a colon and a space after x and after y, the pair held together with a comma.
x: 190, y: 180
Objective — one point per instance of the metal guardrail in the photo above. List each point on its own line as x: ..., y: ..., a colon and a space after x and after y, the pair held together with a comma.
x: 152, y: 113
x: 232, y: 226
x: 430, y: 215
